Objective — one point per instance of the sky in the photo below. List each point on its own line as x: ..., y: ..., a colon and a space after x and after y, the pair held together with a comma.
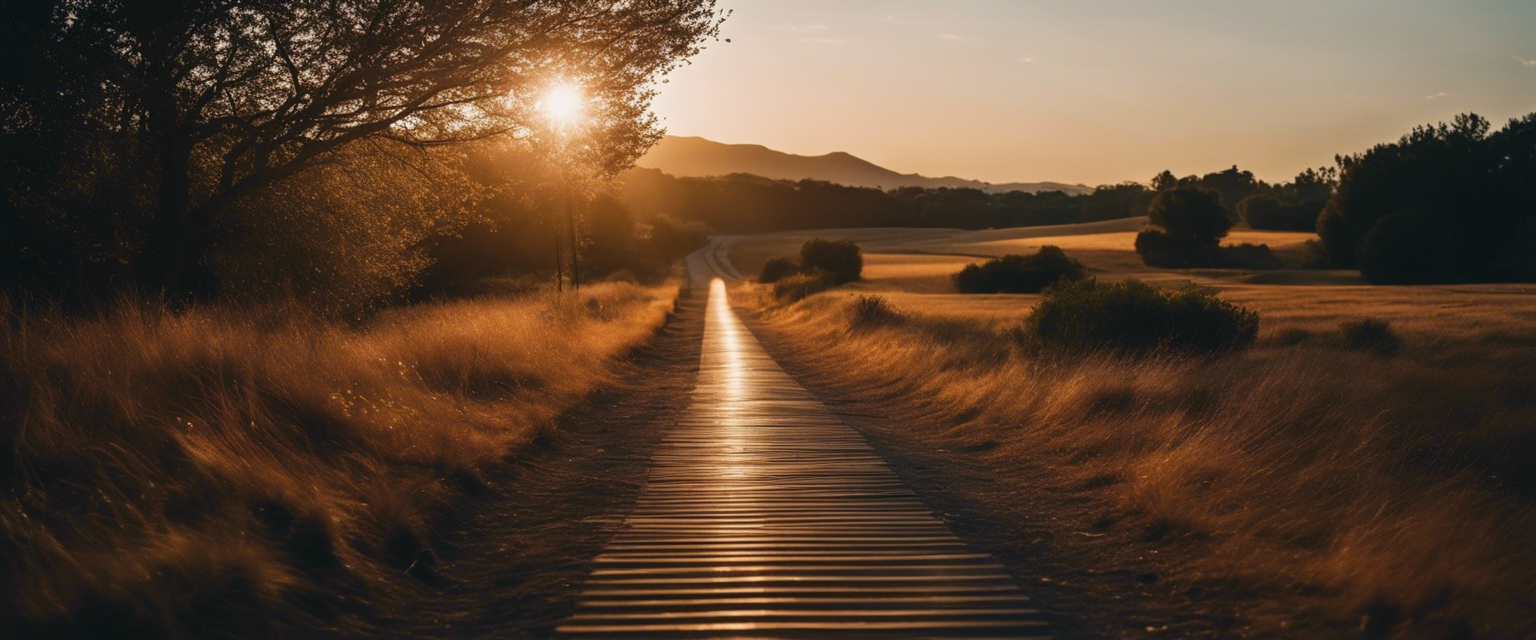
x: 1100, y: 92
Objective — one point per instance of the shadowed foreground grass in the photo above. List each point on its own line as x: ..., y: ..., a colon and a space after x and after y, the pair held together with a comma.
x: 1394, y: 497
x: 223, y: 471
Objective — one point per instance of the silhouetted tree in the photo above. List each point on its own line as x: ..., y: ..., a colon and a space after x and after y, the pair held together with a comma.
x: 1191, y: 215
x: 218, y: 99
x: 1445, y: 203
x: 1186, y: 227
x: 1269, y: 211
x: 1232, y: 185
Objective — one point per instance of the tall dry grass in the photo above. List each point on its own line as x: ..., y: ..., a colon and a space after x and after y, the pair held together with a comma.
x: 219, y: 470
x: 1397, y: 493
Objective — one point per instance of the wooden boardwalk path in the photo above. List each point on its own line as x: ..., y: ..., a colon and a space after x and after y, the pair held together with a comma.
x: 766, y: 516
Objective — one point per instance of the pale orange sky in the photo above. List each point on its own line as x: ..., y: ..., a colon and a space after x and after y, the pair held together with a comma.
x: 1100, y: 92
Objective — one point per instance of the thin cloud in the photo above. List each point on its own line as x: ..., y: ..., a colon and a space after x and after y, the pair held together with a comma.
x: 824, y: 40
x: 808, y: 28
x: 952, y: 37
x: 1528, y: 63
x: 1436, y: 96
x: 1026, y: 60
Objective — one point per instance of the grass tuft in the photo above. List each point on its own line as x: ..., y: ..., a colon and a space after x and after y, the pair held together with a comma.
x: 868, y: 311
x: 801, y: 286
x: 1375, y: 336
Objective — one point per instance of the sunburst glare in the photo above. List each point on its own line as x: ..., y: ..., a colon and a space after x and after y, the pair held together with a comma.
x: 564, y: 104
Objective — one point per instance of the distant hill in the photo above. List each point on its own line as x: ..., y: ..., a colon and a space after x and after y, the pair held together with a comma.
x: 686, y: 156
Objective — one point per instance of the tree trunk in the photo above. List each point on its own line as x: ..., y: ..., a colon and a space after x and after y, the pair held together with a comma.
x: 559, y: 258
x: 171, y: 258
x: 570, y: 219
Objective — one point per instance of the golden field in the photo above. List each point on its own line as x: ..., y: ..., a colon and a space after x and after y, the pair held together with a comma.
x: 1300, y: 487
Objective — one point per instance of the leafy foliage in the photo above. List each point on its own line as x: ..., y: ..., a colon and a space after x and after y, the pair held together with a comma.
x: 1020, y: 274
x: 1158, y: 248
x: 776, y: 269
x: 1445, y: 203
x: 1186, y: 227
x: 1192, y: 216
x: 1274, y: 213
x: 1132, y: 318
x: 343, y: 237
x: 159, y: 117
x: 842, y: 259
x: 1247, y: 256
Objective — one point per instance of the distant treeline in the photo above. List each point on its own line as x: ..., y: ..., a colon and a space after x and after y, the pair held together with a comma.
x: 741, y: 203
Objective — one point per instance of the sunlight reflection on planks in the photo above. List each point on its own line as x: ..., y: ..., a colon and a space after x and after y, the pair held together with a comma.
x: 766, y: 516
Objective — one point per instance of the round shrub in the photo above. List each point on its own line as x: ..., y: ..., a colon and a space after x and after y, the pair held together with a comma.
x: 1375, y: 336
x: 841, y: 258
x: 1190, y: 214
x: 1019, y: 274
x: 1132, y: 318
x: 776, y: 269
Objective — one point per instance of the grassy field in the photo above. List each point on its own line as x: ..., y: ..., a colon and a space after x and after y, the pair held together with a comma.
x: 1306, y: 485
x: 226, y: 470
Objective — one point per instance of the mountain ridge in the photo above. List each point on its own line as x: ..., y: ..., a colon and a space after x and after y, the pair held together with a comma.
x: 693, y: 156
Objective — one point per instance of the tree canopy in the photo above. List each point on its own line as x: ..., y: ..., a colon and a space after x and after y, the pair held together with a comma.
x: 1446, y: 203
x: 1190, y: 214
x: 218, y: 99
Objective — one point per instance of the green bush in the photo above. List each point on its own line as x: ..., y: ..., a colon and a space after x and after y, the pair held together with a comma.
x: 840, y: 258
x: 1375, y: 336
x: 776, y: 269
x: 1132, y: 318
x: 802, y: 285
x: 1019, y: 274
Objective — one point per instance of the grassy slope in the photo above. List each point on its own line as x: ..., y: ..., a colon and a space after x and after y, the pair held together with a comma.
x: 215, y: 471
x: 1306, y: 481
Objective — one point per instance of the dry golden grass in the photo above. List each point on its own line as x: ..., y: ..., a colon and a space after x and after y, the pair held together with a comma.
x: 191, y: 473
x: 1400, y: 488
x: 912, y: 268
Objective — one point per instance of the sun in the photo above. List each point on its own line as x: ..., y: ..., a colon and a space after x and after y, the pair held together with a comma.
x: 563, y: 104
